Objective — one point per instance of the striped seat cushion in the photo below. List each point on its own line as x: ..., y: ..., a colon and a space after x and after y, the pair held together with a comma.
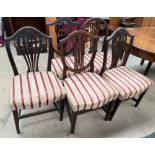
x: 98, y: 61
x: 88, y: 91
x: 35, y: 89
x: 128, y: 82
x: 57, y: 66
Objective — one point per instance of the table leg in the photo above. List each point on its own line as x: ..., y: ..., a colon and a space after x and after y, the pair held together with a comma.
x: 148, y: 68
x: 142, y: 61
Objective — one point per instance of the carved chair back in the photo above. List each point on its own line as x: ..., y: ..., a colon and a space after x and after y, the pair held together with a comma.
x: 94, y: 25
x: 30, y: 42
x: 63, y: 27
x: 79, y: 39
x: 121, y: 45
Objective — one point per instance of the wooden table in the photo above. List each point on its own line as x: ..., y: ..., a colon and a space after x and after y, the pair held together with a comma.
x: 144, y: 44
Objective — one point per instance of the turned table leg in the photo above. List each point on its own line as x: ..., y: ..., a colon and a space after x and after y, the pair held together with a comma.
x: 142, y: 61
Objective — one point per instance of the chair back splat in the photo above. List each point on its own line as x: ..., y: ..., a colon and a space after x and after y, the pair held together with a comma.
x: 63, y: 27
x: 30, y: 42
x: 79, y: 39
x: 94, y: 25
x: 121, y: 44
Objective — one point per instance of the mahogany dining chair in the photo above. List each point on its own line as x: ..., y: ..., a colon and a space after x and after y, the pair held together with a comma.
x: 86, y: 91
x: 35, y: 88
x: 63, y: 27
x: 129, y: 83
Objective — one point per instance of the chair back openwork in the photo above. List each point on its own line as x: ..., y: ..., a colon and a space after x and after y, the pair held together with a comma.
x: 121, y: 45
x: 63, y: 27
x: 79, y: 38
x: 94, y: 25
x: 30, y: 42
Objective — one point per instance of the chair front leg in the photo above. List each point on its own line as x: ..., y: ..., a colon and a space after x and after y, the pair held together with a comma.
x: 16, y: 119
x: 140, y: 98
x: 117, y: 103
x: 73, y: 121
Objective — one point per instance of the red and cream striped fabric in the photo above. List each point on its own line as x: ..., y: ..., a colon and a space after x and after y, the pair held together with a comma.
x: 128, y: 82
x: 88, y: 91
x: 57, y: 66
x: 98, y: 61
x: 35, y: 89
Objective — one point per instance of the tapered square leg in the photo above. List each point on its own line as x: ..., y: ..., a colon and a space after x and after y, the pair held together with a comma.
x: 16, y: 119
x: 114, y: 109
x: 73, y: 121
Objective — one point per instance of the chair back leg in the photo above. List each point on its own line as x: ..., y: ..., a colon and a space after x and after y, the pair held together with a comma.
x: 16, y: 119
x: 140, y: 98
x: 117, y: 103
x: 109, y: 110
x: 62, y: 104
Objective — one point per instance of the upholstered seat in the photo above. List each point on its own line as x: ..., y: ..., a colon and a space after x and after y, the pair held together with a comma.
x: 88, y: 91
x: 35, y: 89
x: 57, y: 66
x: 128, y: 82
x: 98, y: 61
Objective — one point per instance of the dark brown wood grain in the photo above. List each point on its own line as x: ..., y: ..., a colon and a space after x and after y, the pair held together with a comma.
x: 79, y: 39
x: 63, y: 27
x: 30, y: 42
x: 121, y: 43
x: 93, y: 26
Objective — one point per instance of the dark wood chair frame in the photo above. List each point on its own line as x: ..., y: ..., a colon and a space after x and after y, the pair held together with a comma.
x: 78, y: 53
x: 121, y: 48
x: 31, y: 36
x: 94, y: 25
x: 62, y: 21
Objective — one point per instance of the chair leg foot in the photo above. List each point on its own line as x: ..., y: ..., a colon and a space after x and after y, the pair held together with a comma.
x: 73, y: 121
x: 114, y: 109
x: 16, y: 119
x: 62, y: 104
x: 140, y: 98
x: 106, y: 117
